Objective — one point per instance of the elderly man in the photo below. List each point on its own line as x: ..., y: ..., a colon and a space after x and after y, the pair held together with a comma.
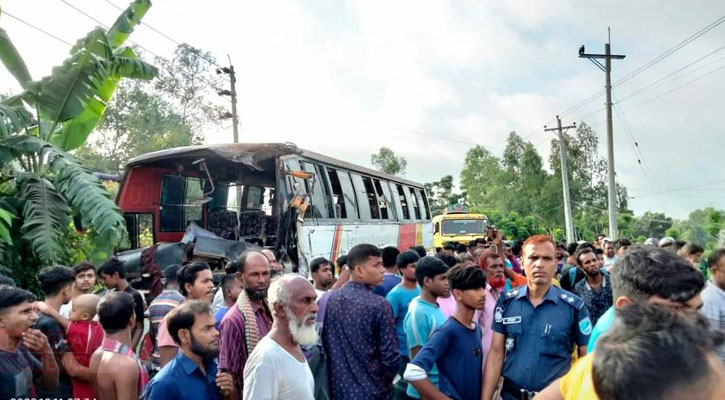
x: 277, y: 368
x: 247, y: 321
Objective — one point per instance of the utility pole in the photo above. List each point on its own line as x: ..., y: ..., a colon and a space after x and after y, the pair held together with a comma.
x: 607, y: 68
x: 233, y: 94
x: 568, y: 219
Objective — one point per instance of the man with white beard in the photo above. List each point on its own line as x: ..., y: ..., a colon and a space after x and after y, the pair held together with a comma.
x: 277, y: 368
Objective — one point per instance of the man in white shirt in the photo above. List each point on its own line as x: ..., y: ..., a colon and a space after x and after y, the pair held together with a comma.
x: 713, y: 296
x: 277, y: 368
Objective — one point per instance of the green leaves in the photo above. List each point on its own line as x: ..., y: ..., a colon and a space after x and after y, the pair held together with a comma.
x: 13, y: 119
x: 126, y: 22
x: 65, y: 93
x: 86, y: 195
x: 6, y: 222
x: 11, y: 59
x: 45, y: 216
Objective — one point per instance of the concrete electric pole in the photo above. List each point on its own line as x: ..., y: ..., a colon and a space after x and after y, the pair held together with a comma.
x: 607, y: 68
x: 568, y: 219
x: 233, y: 94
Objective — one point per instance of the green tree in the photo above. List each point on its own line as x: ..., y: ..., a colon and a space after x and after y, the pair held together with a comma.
x: 386, y: 161
x: 480, y: 178
x: 41, y: 184
x: 170, y: 112
x: 441, y: 195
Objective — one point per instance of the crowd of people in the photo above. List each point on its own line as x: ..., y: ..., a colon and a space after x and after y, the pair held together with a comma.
x: 488, y: 320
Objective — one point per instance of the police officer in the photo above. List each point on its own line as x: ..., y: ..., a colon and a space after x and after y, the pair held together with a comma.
x: 535, y: 328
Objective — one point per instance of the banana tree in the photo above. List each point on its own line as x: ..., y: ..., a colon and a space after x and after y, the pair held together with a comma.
x: 42, y: 185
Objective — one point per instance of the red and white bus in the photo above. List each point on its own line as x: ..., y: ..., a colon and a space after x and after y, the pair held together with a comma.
x: 224, y: 198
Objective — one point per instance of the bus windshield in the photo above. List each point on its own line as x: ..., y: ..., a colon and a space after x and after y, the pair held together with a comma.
x: 463, y: 226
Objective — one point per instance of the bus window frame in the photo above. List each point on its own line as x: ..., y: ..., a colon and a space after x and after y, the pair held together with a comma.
x: 361, y: 193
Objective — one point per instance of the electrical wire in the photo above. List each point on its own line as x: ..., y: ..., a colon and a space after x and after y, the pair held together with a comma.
x: 36, y: 28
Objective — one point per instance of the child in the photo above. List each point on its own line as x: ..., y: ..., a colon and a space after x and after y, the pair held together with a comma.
x: 84, y: 336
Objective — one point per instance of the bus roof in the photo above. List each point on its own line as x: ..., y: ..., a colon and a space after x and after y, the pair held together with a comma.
x: 255, y: 156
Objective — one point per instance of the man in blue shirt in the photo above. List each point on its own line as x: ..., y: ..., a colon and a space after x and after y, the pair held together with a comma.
x: 230, y: 288
x: 455, y: 348
x: 424, y: 316
x: 358, y: 333
x: 401, y: 295
x: 535, y: 328
x: 193, y: 372
x: 390, y: 277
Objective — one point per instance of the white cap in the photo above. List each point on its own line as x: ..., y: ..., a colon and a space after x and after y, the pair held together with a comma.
x: 666, y: 240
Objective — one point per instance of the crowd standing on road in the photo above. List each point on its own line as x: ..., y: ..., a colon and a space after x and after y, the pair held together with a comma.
x: 487, y: 320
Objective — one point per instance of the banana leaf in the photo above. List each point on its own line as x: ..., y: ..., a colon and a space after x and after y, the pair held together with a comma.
x: 65, y: 93
x: 74, y: 132
x: 12, y: 60
x: 45, y: 217
x: 13, y: 119
x: 127, y: 21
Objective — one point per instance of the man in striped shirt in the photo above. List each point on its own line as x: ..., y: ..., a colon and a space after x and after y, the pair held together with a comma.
x: 162, y: 304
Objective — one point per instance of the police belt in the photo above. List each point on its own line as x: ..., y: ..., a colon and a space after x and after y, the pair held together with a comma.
x: 517, y: 391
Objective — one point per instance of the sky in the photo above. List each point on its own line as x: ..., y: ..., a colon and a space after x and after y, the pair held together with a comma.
x: 431, y: 79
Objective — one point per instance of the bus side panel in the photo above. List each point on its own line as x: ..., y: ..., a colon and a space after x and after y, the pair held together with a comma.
x: 141, y: 193
x: 416, y: 234
x: 426, y: 230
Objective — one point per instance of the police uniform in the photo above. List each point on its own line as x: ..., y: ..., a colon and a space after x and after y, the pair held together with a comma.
x: 538, y: 341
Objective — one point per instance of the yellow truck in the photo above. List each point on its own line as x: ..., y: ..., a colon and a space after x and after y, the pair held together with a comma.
x: 457, y: 225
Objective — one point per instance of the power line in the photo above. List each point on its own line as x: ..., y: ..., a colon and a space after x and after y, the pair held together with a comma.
x: 36, y: 28
x: 672, y: 50
x: 664, y: 78
x: 210, y: 61
x: 211, y: 85
x: 645, y: 66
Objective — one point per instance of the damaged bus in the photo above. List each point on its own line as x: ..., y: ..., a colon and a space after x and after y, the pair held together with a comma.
x: 212, y: 202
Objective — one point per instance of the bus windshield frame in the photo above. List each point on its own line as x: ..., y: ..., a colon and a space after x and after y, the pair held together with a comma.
x: 448, y: 226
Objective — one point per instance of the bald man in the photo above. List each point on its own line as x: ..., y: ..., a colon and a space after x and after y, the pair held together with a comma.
x: 269, y: 374
x: 249, y: 319
x: 275, y: 267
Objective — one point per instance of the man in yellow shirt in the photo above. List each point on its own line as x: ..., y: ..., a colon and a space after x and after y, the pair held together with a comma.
x: 644, y: 275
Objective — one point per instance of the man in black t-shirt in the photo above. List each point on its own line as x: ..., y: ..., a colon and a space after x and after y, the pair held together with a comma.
x: 57, y: 284
x: 21, y: 373
x: 113, y: 275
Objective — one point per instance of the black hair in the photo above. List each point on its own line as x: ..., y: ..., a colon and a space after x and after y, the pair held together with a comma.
x: 598, y: 251
x: 464, y: 278
x: 7, y: 281
x: 429, y: 267
x: 83, y: 266
x: 12, y: 296
x: 571, y: 247
x: 390, y: 254
x: 652, y: 352
x: 473, y: 243
x: 241, y: 262
x: 183, y: 317
x: 461, y: 248
x: 112, y: 266
x: 420, y: 250
x: 405, y: 258
x: 691, y: 249
x: 341, y: 261
x: 449, y: 246
x: 171, y: 273
x: 188, y: 274
x: 53, y: 279
x: 649, y: 271
x: 517, y: 247
x: 715, y: 257
x: 317, y: 263
x: 227, y: 282
x: 360, y: 253
x: 448, y: 259
x: 580, y: 252
x: 114, y: 311
x: 621, y: 243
